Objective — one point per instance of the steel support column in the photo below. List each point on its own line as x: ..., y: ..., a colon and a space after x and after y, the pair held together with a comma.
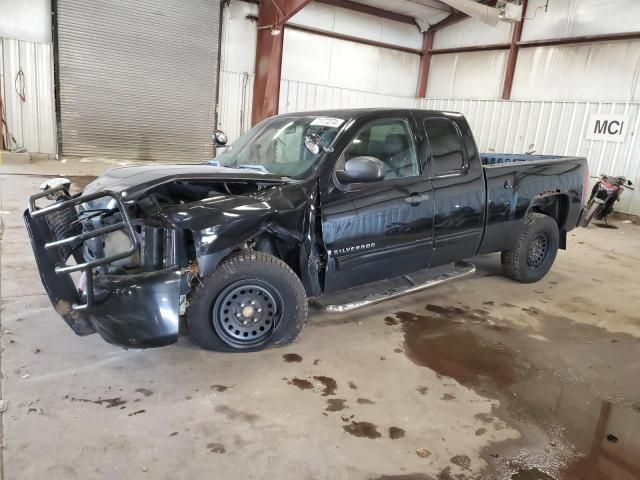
x: 513, y: 54
x: 272, y: 15
x: 425, y: 63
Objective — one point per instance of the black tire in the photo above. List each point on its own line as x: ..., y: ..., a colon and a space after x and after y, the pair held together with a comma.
x: 252, y: 301
x: 535, y: 251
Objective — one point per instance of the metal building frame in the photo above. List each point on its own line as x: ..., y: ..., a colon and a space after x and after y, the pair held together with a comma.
x: 274, y: 14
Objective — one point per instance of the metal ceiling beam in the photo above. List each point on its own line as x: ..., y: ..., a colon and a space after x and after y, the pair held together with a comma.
x: 378, y: 12
x: 551, y: 42
x: 472, y: 48
x: 455, y: 17
x: 349, y: 38
x: 450, y: 20
x: 272, y: 14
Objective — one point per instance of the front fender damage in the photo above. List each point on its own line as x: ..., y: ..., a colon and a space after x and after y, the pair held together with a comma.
x: 222, y: 224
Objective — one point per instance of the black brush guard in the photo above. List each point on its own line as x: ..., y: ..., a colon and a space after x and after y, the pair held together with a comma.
x: 138, y: 311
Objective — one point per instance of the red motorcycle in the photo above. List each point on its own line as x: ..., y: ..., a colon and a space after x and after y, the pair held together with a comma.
x: 605, y: 193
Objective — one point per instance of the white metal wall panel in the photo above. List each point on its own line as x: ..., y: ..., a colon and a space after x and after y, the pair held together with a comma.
x: 348, y: 22
x: 312, y: 58
x: 299, y: 64
x: 32, y: 121
x: 472, y: 32
x: 574, y: 18
x: 239, y: 38
x: 398, y: 72
x: 607, y: 71
x: 236, y: 97
x: 467, y: 75
x: 28, y: 20
x: 354, y: 66
x: 138, y: 79
x: 299, y: 96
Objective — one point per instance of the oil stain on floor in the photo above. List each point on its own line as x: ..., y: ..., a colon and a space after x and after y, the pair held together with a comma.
x: 568, y: 413
x: 362, y: 429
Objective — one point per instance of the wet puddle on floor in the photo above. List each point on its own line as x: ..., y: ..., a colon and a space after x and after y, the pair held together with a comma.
x: 567, y: 432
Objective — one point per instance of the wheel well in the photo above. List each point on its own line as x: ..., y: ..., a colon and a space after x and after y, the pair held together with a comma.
x: 286, y: 249
x: 555, y: 206
x: 277, y: 247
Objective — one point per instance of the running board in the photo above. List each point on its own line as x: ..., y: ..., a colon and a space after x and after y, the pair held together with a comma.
x: 414, y: 283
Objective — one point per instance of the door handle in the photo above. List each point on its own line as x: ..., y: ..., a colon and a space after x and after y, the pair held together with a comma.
x: 416, y: 199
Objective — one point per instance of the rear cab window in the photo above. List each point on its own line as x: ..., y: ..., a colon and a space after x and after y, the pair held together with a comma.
x: 447, y: 149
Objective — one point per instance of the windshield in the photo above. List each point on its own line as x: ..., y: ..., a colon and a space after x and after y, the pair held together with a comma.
x: 276, y: 145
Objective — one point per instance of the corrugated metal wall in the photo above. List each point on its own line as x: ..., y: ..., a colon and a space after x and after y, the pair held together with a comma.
x: 138, y: 79
x: 236, y: 99
x: 554, y: 128
x: 601, y: 71
x: 309, y: 57
x: 300, y: 96
x: 606, y: 71
x: 31, y: 121
x: 575, y: 18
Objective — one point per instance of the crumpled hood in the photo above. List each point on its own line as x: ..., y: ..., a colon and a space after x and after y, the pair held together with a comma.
x: 131, y: 182
x: 223, y: 221
x: 217, y: 211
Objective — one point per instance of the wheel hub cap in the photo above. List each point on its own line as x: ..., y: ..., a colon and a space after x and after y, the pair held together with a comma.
x: 538, y: 250
x: 245, y: 313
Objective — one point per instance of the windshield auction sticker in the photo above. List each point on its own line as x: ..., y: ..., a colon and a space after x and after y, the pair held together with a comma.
x: 327, y: 122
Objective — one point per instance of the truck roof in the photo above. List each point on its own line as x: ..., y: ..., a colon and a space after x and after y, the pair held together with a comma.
x: 357, y: 112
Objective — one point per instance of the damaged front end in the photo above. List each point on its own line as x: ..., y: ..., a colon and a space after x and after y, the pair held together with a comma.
x: 120, y: 258
x: 120, y: 289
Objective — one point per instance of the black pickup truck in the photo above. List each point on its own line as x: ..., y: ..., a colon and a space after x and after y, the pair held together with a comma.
x: 301, y: 205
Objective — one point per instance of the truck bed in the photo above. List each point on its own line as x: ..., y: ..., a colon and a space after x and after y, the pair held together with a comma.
x: 514, y: 181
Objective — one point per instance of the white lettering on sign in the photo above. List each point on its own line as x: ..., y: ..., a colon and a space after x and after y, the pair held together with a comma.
x: 608, y: 127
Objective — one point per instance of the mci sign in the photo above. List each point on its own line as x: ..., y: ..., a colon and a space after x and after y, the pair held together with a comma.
x: 608, y: 127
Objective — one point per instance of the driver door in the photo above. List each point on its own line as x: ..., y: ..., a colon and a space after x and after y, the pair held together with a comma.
x: 383, y: 229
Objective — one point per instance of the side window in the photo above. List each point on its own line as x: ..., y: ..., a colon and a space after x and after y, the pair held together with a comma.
x: 446, y: 146
x: 388, y: 140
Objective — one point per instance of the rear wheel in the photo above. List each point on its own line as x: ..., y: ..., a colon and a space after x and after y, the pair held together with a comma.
x: 252, y: 301
x: 535, y: 250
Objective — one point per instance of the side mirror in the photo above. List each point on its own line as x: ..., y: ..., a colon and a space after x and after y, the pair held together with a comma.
x: 219, y: 138
x: 361, y: 170
x: 52, y: 183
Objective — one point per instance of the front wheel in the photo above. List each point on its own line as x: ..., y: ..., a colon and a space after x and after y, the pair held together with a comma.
x: 535, y: 250
x: 252, y: 301
x: 592, y: 210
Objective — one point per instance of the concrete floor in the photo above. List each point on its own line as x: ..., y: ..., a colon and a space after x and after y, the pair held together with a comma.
x: 483, y: 378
